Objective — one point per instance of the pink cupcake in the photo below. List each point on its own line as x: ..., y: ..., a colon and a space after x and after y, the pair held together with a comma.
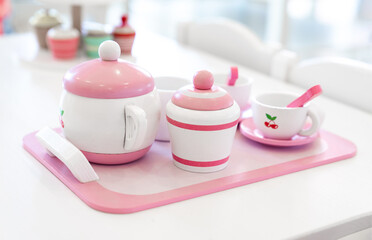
x: 63, y: 42
x: 124, y: 36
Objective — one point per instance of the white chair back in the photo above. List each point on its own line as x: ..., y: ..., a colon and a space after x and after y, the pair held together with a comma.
x: 342, y: 79
x: 235, y: 42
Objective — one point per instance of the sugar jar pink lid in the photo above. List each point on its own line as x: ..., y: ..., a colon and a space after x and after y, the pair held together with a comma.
x: 108, y: 77
x: 202, y: 95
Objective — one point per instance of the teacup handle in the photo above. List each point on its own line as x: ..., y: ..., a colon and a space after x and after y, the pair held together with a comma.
x: 315, y: 124
x: 135, y: 127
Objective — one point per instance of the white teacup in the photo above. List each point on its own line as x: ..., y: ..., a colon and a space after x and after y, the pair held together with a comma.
x: 240, y: 91
x: 166, y: 87
x: 275, y: 120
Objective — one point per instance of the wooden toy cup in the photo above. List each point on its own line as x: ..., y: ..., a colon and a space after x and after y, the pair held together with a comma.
x: 124, y: 35
x: 63, y: 43
x: 241, y: 91
x: 166, y: 87
x: 275, y: 120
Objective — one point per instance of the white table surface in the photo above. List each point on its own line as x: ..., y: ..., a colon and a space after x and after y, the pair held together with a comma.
x: 34, y: 204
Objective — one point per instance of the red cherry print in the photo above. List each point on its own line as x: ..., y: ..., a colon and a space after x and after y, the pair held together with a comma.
x: 60, y: 119
x: 271, y: 123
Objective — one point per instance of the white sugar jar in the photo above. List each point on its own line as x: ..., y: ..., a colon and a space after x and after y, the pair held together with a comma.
x: 202, y: 120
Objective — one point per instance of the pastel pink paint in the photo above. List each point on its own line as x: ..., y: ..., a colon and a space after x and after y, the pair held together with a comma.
x: 202, y: 127
x: 234, y: 75
x: 202, y: 104
x: 103, y: 199
x: 213, y: 89
x: 63, y: 48
x: 203, y: 80
x: 108, y: 80
x: 306, y: 97
x: 125, y: 42
x: 249, y: 130
x: 202, y: 96
x: 115, y: 158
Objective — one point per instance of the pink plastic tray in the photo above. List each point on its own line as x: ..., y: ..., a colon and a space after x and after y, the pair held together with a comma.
x: 154, y: 180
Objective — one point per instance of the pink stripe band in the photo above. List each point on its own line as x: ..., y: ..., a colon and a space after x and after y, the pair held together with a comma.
x: 200, y: 164
x: 202, y: 127
x: 119, y: 158
x: 124, y: 34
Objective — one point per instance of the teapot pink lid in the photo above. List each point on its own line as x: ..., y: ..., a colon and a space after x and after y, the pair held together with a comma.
x: 202, y: 95
x: 108, y: 77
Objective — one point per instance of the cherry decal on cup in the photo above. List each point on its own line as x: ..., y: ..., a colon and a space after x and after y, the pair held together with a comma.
x: 271, y: 123
x: 60, y: 118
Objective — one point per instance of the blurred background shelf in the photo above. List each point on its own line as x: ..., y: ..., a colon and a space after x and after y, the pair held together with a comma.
x: 312, y: 28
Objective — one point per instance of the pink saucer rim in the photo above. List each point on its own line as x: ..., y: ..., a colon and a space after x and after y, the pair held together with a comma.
x: 250, y: 134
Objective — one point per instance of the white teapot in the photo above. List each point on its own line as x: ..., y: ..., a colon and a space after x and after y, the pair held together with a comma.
x: 110, y: 108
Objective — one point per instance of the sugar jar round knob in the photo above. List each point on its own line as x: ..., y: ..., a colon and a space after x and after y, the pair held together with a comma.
x: 203, y: 80
x: 109, y: 50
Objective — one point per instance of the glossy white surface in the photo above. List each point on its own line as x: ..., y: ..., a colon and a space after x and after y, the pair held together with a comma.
x: 166, y: 87
x: 109, y: 50
x: 213, y: 36
x: 244, y: 46
x: 100, y: 125
x: 202, y: 146
x: 196, y: 117
x: 73, y: 158
x: 288, y: 121
x: 34, y: 204
x: 241, y: 91
x: 345, y: 80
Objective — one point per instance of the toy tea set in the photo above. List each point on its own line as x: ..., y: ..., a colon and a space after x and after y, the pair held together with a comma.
x: 63, y: 42
x: 112, y: 111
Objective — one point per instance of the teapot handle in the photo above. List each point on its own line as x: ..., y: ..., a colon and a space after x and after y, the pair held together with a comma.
x: 135, y: 127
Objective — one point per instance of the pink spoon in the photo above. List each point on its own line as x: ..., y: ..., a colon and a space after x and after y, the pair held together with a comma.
x: 306, y: 97
x: 233, y: 76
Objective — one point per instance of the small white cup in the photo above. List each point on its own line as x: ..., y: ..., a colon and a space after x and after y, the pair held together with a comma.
x: 166, y: 87
x: 240, y: 91
x: 275, y: 120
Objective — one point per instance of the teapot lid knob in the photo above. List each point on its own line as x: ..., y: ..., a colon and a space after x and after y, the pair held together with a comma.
x: 203, y: 80
x: 109, y: 50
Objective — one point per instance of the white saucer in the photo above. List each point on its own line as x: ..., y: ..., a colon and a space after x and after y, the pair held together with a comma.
x: 249, y: 130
